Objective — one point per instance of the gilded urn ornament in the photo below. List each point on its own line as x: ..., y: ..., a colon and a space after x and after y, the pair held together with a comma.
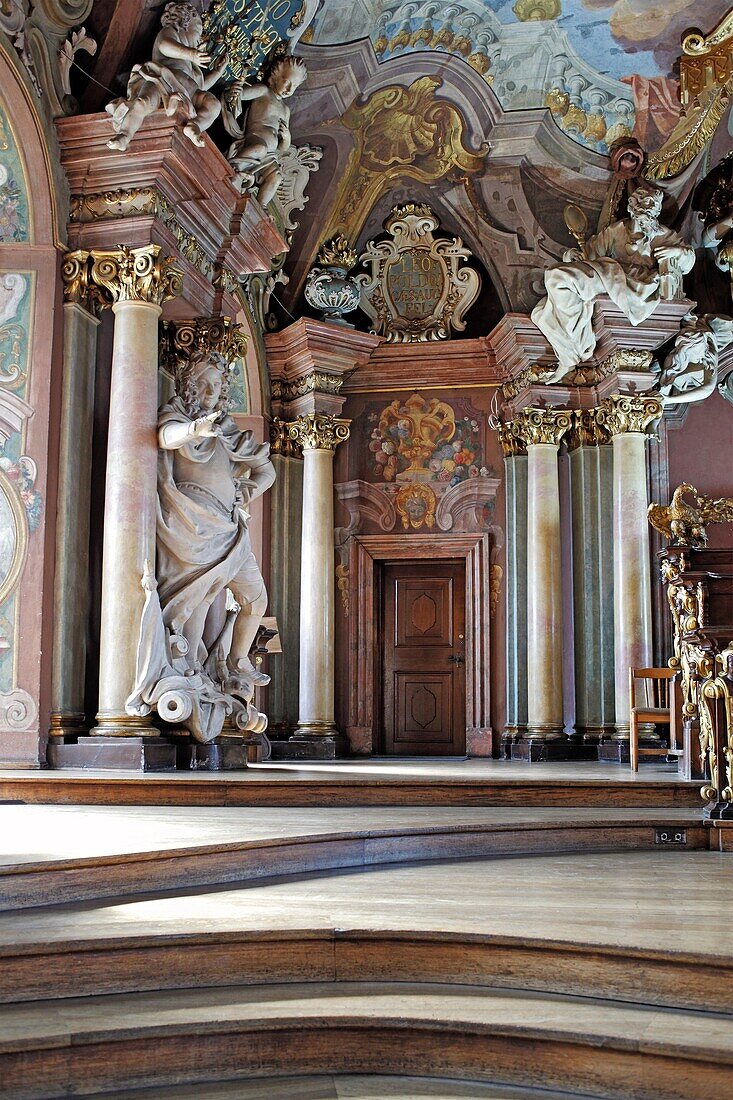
x: 417, y: 288
x: 329, y: 287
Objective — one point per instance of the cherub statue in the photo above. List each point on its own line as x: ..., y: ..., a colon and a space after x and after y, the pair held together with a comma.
x: 263, y: 135
x: 208, y: 472
x: 690, y: 371
x: 637, y: 262
x: 173, y: 78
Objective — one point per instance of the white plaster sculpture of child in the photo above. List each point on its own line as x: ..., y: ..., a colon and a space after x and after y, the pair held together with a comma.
x: 264, y: 134
x: 173, y: 78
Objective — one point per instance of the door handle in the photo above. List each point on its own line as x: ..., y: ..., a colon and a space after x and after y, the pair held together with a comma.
x: 455, y: 659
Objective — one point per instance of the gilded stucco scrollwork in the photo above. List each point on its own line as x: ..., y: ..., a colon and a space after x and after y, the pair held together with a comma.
x: 511, y: 440
x: 587, y: 430
x: 399, y: 133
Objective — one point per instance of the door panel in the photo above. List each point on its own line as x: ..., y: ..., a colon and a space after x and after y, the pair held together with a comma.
x: 423, y: 666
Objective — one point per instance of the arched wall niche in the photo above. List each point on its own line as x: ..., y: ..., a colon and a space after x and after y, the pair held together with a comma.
x: 31, y: 339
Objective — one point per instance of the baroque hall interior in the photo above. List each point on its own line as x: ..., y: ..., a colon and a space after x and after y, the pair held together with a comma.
x: 366, y: 548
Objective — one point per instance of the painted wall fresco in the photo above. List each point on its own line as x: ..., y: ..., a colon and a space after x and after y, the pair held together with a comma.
x: 419, y: 461
x: 603, y: 67
x: 14, y: 212
x: 21, y: 504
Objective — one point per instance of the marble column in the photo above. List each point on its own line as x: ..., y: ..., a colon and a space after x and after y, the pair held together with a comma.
x: 542, y: 430
x: 591, y: 479
x: 515, y: 465
x: 71, y: 579
x: 318, y: 435
x: 138, y: 281
x: 627, y: 420
x: 286, y: 512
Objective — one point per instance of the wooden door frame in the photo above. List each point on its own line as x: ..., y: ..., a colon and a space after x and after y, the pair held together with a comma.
x: 367, y: 553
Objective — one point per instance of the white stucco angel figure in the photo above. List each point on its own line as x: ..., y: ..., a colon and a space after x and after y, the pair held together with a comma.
x: 208, y: 473
x: 690, y: 371
x: 637, y: 262
x: 262, y: 133
x: 174, y: 78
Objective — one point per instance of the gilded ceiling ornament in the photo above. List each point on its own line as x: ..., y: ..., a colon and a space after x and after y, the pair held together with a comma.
x: 319, y: 431
x: 706, y: 85
x: 527, y: 10
x: 337, y: 253
x: 135, y: 274
x: 400, y: 133
x: 684, y: 523
x: 543, y: 425
x: 416, y: 504
x: 416, y: 289
x: 620, y: 413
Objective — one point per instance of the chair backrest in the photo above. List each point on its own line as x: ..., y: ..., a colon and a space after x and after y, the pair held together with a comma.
x: 654, y: 687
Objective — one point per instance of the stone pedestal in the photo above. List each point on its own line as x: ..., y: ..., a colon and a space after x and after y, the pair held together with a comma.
x: 627, y: 420
x: 71, y: 581
x: 145, y: 754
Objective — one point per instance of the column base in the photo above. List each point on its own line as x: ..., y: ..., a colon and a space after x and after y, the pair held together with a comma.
x: 592, y: 735
x: 141, y: 754
x: 536, y: 750
x: 305, y: 746
x: 68, y: 724
x: 508, y: 737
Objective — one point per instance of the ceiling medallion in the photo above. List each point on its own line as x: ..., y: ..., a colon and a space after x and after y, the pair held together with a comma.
x: 417, y: 288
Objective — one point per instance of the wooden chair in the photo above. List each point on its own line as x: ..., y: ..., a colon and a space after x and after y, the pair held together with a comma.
x: 662, y: 704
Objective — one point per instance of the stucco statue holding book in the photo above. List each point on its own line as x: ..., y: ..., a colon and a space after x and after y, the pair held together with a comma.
x: 193, y: 659
x: 637, y: 262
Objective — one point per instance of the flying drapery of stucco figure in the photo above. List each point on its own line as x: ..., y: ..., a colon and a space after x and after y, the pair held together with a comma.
x: 208, y: 473
x: 174, y: 79
x: 263, y: 133
x: 637, y: 262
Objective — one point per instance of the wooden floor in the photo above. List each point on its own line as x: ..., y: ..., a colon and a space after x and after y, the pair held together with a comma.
x: 365, y: 930
x: 363, y: 783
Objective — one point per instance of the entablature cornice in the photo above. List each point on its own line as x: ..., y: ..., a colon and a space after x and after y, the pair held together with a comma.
x: 165, y: 190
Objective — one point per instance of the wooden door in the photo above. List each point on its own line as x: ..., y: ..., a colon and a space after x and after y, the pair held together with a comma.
x: 424, y: 658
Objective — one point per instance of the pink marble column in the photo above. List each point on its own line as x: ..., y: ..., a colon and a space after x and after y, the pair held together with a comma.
x: 138, y: 281
x: 542, y: 431
x: 627, y: 420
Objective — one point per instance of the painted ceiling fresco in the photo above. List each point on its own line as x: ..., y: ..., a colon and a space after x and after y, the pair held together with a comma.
x: 603, y: 67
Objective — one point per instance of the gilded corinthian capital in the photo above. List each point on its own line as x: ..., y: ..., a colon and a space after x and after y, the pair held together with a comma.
x: 510, y: 437
x: 319, y: 431
x: 587, y: 430
x: 543, y: 425
x: 620, y: 413
x: 78, y: 288
x: 180, y: 340
x: 135, y: 274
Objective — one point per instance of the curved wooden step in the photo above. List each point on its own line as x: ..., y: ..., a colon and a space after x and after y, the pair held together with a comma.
x: 346, y: 1086
x: 358, y: 840
x: 90, y: 967
x: 83, y: 1046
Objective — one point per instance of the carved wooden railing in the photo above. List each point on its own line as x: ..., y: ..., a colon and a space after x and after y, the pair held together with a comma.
x: 700, y: 594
